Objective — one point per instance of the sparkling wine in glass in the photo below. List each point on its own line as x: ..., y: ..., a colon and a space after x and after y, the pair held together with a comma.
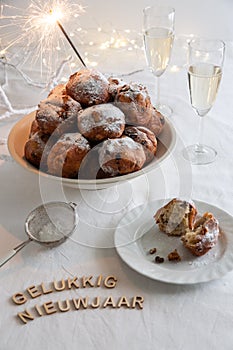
x: 204, y: 75
x: 158, y: 35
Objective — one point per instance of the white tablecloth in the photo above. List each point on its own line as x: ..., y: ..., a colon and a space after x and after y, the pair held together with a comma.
x: 173, y: 316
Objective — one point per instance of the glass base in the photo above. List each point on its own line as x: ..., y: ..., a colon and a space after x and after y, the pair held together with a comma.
x: 165, y: 110
x: 199, y: 154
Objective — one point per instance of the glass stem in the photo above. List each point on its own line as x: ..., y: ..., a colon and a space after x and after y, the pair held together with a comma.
x: 199, y: 144
x: 158, y: 93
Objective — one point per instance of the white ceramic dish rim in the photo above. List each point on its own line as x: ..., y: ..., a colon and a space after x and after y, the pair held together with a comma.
x: 82, y: 183
x: 130, y: 254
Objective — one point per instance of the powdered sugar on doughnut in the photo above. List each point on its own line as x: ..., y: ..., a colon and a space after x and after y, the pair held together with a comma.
x: 106, y: 116
x: 133, y: 89
x: 88, y: 87
x: 121, y: 156
x: 117, y: 145
x: 133, y: 99
x: 74, y: 139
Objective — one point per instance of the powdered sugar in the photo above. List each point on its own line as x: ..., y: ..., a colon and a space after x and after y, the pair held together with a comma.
x: 51, y: 233
x: 134, y: 89
x: 74, y: 139
x: 210, y: 237
x: 117, y: 145
x: 203, y: 260
x: 88, y: 87
x: 121, y: 156
x: 104, y: 115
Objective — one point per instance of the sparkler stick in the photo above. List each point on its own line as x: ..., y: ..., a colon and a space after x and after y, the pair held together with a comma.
x: 70, y: 42
x: 38, y: 26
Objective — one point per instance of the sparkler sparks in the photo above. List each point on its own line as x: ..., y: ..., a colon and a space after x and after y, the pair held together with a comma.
x: 32, y: 46
x: 36, y: 30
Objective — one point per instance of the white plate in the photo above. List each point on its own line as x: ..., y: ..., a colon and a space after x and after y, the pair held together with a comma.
x: 137, y: 233
x: 19, y: 135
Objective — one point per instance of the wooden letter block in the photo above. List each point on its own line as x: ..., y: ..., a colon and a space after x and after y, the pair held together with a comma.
x: 137, y: 300
x: 123, y: 302
x: 110, y: 282
x: 33, y: 291
x: 64, y: 306
x: 19, y: 298
x: 49, y: 308
x: 109, y: 302
x: 25, y: 316
x: 60, y: 287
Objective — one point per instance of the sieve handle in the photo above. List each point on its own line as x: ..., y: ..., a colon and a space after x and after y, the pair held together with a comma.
x: 12, y: 252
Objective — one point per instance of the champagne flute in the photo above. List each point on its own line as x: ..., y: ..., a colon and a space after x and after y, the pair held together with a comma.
x: 158, y: 35
x: 206, y: 58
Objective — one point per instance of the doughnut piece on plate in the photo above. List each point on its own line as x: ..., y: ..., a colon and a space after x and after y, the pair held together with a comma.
x: 134, y: 100
x: 204, y: 236
x: 100, y: 122
x: 121, y: 156
x: 176, y: 217
x: 88, y: 87
x: 66, y: 155
x: 145, y: 137
x: 58, y: 113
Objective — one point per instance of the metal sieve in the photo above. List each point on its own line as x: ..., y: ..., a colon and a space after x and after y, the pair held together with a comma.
x: 49, y: 224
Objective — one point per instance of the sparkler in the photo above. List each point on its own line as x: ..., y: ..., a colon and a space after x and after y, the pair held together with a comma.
x: 71, y: 43
x: 54, y: 16
x: 37, y: 28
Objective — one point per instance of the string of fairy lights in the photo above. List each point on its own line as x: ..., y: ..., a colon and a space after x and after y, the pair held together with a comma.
x: 40, y: 36
x: 39, y: 30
